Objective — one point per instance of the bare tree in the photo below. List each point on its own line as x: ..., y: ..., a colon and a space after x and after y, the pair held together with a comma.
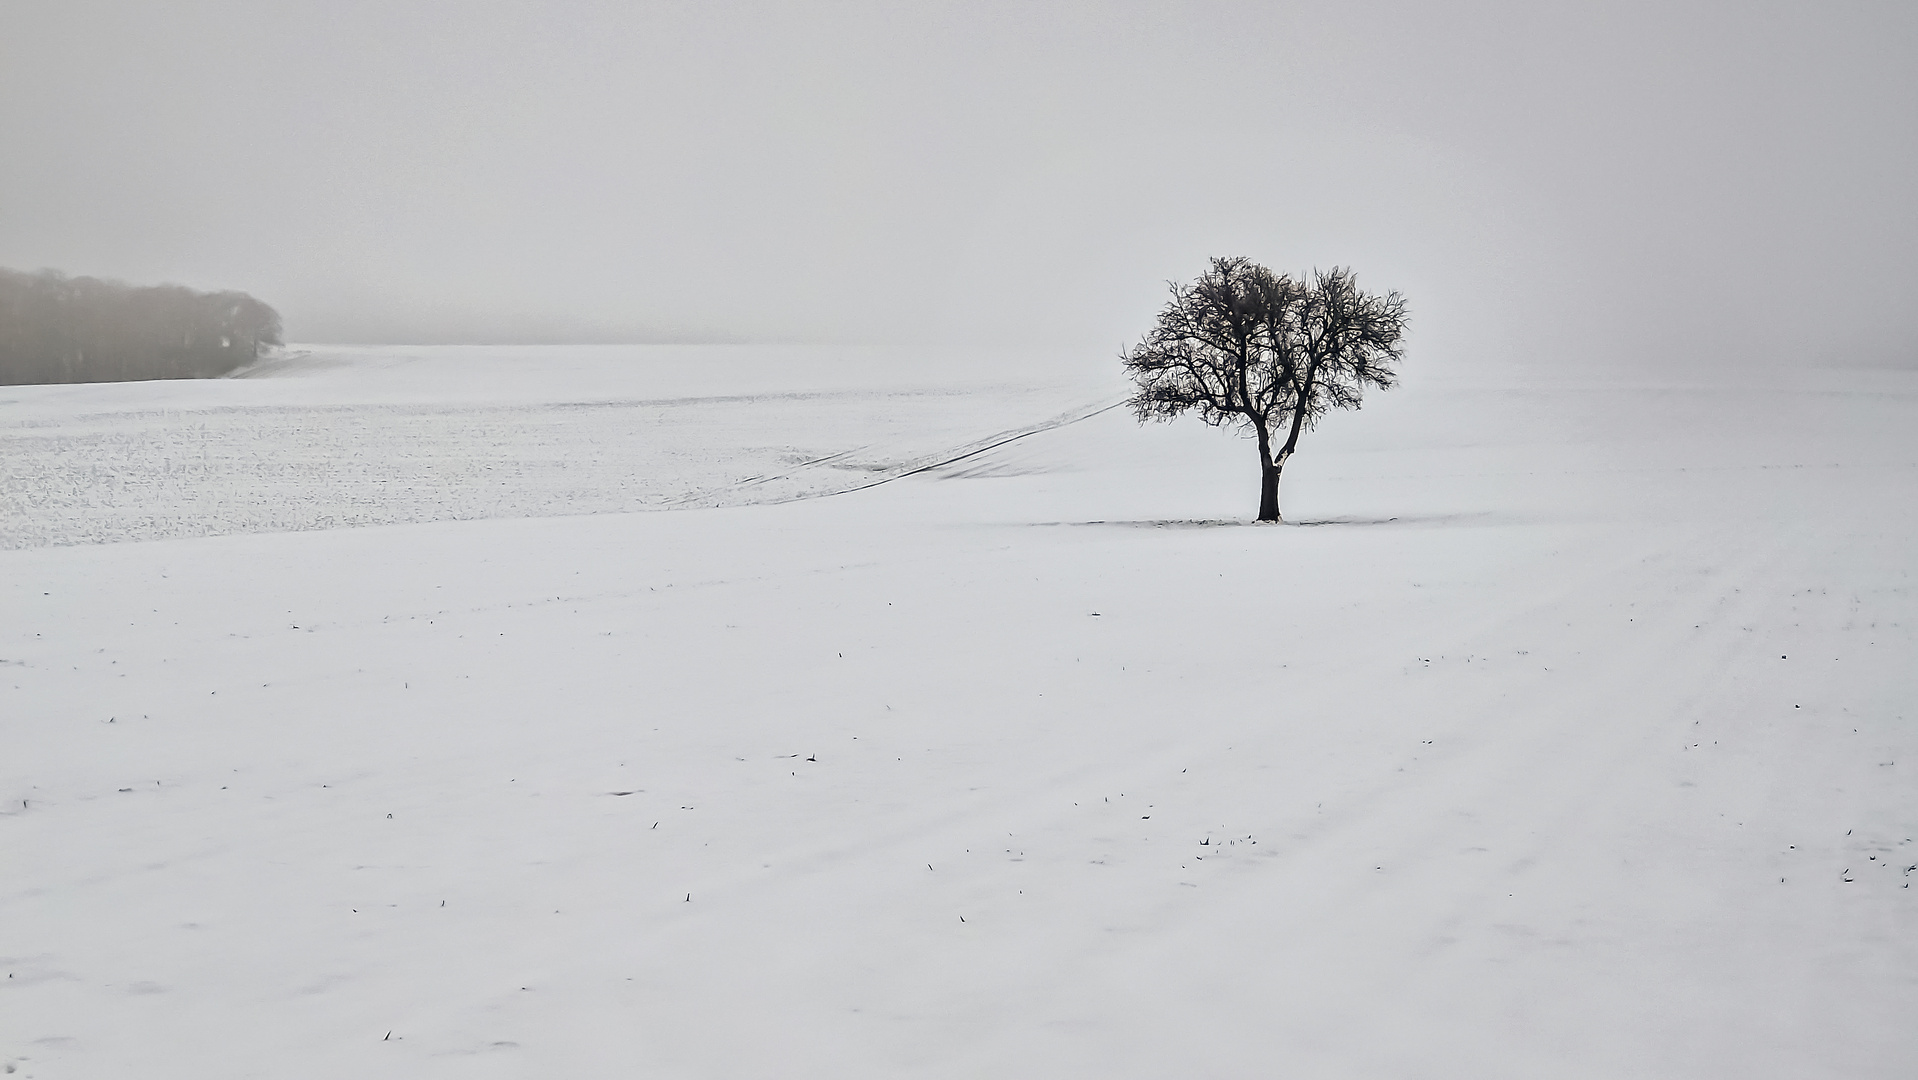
x: 1243, y: 347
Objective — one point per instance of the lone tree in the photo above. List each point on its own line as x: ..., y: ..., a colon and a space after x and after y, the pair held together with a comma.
x: 1243, y: 347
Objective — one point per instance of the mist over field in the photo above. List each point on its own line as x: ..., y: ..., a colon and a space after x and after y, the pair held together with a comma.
x: 1562, y: 184
x: 691, y: 595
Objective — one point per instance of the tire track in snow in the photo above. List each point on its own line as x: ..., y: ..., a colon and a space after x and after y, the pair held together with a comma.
x: 918, y: 466
x: 1583, y: 842
x: 145, y: 474
x: 995, y: 442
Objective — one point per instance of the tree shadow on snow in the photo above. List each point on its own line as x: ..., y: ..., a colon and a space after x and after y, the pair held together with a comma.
x: 1480, y: 518
x: 1302, y: 523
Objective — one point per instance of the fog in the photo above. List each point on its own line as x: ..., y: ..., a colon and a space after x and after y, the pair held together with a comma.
x: 1563, y: 183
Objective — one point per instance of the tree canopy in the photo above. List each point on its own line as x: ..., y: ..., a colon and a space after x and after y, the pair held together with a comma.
x: 1246, y: 348
x: 57, y: 329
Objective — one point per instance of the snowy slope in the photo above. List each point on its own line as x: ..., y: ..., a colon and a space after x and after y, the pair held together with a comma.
x: 333, y: 437
x: 1567, y: 732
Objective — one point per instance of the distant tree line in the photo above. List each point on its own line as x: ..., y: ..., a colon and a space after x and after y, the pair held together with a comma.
x: 57, y: 329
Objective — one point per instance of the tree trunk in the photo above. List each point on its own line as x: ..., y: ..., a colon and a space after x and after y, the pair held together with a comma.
x: 1268, y: 477
x: 1274, y: 468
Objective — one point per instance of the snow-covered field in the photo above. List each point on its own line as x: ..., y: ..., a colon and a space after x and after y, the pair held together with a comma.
x: 331, y: 437
x: 1567, y: 731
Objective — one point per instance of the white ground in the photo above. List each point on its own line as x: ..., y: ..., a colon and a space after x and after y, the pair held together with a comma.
x: 1568, y: 732
x: 330, y: 437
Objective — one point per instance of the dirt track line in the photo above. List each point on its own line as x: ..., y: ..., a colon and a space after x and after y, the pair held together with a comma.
x: 1050, y: 425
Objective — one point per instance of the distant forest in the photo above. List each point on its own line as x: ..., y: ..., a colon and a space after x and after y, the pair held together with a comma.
x: 57, y: 329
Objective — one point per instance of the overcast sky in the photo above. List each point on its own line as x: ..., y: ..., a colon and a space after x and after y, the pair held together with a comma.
x: 1572, y: 180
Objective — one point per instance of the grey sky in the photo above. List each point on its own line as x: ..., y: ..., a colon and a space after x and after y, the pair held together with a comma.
x: 1572, y: 179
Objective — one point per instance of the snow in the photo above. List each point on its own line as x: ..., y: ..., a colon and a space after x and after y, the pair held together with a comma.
x: 331, y: 437
x: 1566, y: 731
